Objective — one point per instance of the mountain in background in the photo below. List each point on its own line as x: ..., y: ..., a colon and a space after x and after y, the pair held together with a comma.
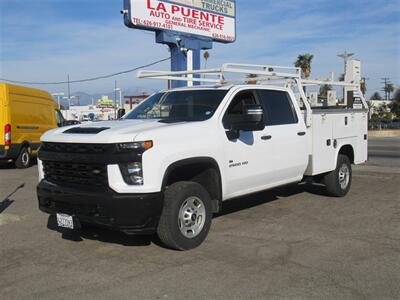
x: 82, y: 98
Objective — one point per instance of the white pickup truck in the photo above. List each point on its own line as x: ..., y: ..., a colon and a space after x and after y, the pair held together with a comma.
x: 168, y: 165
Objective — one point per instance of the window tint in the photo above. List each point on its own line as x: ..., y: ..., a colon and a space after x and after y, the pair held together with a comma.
x: 236, y: 108
x: 279, y: 108
x: 176, y: 106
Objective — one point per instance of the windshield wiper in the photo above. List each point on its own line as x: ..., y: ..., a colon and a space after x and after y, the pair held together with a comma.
x: 179, y: 120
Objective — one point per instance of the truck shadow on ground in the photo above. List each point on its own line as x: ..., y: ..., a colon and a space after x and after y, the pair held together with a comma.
x: 260, y: 198
x: 99, y: 234
x: 7, y: 201
x: 229, y: 207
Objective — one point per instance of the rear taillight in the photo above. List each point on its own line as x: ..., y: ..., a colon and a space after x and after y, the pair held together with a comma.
x: 7, y: 134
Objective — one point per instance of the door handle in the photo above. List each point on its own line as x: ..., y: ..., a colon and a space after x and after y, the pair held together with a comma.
x: 302, y: 133
x: 266, y: 137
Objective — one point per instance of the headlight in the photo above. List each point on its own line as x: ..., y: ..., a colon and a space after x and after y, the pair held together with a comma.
x: 135, y: 146
x: 132, y: 173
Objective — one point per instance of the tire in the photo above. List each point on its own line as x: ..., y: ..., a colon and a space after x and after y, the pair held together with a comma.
x: 338, y: 182
x: 187, y: 205
x: 23, y: 160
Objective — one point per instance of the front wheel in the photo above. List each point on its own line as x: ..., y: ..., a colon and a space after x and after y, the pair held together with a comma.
x: 338, y: 182
x: 23, y: 160
x: 186, y: 217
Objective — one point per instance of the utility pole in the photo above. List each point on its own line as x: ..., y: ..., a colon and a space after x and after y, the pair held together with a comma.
x: 69, y: 89
x: 386, y: 82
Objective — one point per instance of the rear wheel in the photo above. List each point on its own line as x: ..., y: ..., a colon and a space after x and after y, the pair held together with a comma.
x: 338, y: 182
x: 23, y: 160
x: 186, y: 217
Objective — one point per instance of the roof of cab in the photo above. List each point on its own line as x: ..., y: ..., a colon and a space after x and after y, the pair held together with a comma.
x: 226, y: 87
x: 200, y: 87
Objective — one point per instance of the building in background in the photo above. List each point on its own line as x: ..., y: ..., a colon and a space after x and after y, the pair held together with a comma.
x: 132, y: 101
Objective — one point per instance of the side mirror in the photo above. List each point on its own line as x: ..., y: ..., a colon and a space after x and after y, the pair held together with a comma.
x: 121, y: 113
x: 252, y: 119
x: 70, y: 122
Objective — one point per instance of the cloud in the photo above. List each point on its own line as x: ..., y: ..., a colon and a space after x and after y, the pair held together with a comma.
x: 46, y: 40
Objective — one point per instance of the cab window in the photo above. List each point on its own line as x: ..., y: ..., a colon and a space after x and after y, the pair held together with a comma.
x: 279, y: 109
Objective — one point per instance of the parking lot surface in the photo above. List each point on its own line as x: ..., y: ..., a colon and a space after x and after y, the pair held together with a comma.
x: 292, y: 242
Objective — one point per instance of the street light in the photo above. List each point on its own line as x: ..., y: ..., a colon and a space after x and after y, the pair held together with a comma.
x: 120, y: 96
x: 58, y: 95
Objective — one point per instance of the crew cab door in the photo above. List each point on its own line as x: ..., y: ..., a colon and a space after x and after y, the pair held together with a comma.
x: 287, y: 135
x: 247, y: 161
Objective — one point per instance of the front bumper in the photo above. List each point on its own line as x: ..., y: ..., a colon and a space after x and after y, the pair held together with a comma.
x: 130, y: 213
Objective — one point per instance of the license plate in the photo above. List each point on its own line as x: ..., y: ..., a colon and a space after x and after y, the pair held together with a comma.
x: 65, y: 221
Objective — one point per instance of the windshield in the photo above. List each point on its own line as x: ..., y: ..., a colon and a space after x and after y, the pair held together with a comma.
x: 193, y: 105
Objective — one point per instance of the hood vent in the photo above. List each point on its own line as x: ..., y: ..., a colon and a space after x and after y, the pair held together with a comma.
x: 86, y: 130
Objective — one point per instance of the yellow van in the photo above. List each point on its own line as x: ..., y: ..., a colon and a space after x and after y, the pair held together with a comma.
x: 25, y: 114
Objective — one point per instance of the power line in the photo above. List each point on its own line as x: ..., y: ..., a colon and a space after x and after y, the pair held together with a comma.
x: 87, y: 79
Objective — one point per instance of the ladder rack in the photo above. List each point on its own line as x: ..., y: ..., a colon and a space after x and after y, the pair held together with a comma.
x: 260, y: 73
x: 290, y: 77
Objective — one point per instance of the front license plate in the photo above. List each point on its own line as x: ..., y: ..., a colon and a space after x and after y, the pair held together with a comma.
x: 65, y: 221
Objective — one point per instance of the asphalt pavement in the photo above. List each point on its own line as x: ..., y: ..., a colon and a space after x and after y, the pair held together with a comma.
x: 292, y: 242
x: 384, y: 151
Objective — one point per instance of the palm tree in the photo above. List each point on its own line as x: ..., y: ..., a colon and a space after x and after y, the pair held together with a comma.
x: 389, y: 88
x: 395, y: 106
x: 206, y: 56
x: 304, y: 63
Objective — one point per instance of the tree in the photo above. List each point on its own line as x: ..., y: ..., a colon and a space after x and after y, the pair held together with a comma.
x: 206, y: 56
x: 389, y: 88
x: 395, y: 106
x: 382, y: 109
x: 323, y: 90
x: 376, y: 96
x: 304, y: 63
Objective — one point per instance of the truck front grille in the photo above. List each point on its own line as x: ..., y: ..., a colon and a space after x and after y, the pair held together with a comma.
x: 76, y: 148
x: 62, y: 173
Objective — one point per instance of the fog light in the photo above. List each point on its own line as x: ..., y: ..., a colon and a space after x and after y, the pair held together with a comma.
x: 135, y: 169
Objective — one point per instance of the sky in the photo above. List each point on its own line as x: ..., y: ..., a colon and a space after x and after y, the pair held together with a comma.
x: 44, y: 40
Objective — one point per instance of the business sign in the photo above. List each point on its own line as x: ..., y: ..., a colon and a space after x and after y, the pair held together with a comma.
x: 215, y: 19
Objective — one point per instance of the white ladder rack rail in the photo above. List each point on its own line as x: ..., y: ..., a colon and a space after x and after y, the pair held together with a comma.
x: 290, y: 76
x: 260, y: 71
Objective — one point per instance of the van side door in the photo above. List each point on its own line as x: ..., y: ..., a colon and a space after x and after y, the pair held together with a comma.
x: 286, y: 133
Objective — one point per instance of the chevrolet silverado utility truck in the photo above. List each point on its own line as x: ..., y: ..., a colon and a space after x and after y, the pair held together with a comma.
x: 167, y: 166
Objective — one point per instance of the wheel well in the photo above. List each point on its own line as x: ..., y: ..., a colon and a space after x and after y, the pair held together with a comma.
x: 203, y: 171
x: 24, y: 144
x: 348, y: 151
